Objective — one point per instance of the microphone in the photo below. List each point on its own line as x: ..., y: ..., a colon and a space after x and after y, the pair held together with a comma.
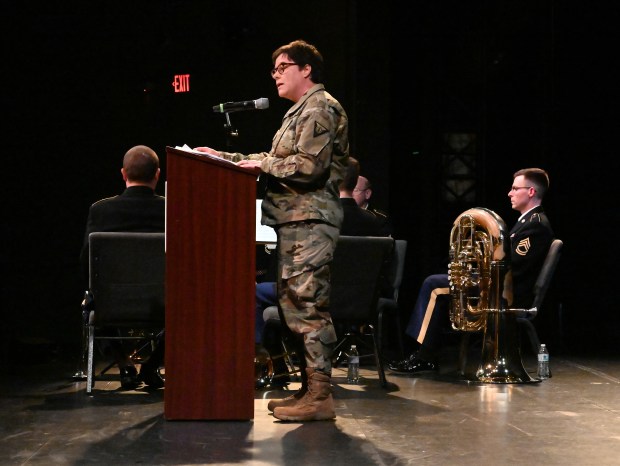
x: 258, y: 104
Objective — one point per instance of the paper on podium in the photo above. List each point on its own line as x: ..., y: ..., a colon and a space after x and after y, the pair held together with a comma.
x: 186, y: 148
x: 264, y: 234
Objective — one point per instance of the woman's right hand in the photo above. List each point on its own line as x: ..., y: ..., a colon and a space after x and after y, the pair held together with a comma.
x: 208, y: 150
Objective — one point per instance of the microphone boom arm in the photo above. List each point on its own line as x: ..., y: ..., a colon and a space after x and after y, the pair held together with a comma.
x: 231, y: 132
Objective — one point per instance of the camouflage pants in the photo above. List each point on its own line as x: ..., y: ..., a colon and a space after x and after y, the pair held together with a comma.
x: 306, y: 250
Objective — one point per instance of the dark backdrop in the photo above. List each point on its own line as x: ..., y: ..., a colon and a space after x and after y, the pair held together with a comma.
x: 530, y: 82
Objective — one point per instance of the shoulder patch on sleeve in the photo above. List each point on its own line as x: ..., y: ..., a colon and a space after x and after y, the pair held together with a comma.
x: 319, y: 129
x: 523, y: 247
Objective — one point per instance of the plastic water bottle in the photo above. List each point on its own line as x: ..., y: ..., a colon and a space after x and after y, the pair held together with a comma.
x: 353, y: 372
x: 543, y: 362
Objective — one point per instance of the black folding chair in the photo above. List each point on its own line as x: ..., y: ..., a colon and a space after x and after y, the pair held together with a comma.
x: 127, y: 284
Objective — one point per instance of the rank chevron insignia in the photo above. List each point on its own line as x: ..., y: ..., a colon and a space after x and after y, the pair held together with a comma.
x: 523, y: 247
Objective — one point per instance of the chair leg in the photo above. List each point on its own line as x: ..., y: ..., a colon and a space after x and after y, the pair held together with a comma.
x: 80, y: 373
x: 378, y: 359
x: 464, y: 349
x: 380, y: 330
x: 288, y: 359
x: 340, y: 349
x: 531, y: 333
x: 401, y: 343
x: 291, y: 370
x: 535, y: 342
x: 281, y: 345
x: 118, y: 353
x: 90, y: 367
x: 107, y: 368
x: 358, y: 339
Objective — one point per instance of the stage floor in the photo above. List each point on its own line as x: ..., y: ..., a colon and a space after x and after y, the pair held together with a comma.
x: 571, y: 419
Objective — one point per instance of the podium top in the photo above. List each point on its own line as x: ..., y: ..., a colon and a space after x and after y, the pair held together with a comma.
x: 186, y: 148
x: 197, y: 155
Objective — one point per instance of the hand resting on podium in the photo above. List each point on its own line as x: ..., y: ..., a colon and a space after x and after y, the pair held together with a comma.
x: 208, y: 150
x: 254, y: 165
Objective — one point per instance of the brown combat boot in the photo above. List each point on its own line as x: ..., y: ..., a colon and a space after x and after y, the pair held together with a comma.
x: 292, y: 399
x: 316, y: 405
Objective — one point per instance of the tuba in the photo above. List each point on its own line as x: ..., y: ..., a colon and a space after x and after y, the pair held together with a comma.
x: 481, y: 294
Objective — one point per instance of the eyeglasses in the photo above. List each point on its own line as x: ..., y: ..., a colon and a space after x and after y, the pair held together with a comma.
x: 356, y: 190
x: 280, y: 68
x: 516, y: 188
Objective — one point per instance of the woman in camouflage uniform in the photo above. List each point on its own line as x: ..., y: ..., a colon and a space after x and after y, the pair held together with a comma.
x: 303, y: 169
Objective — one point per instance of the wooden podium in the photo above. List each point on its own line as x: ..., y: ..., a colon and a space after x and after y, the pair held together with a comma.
x: 210, y: 288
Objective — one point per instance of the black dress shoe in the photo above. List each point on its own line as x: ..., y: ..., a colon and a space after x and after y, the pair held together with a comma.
x: 152, y: 378
x: 416, y: 366
x: 129, y: 377
x: 400, y: 365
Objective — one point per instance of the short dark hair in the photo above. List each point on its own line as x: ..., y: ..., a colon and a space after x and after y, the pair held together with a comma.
x: 303, y: 53
x: 140, y: 164
x: 351, y: 173
x: 538, y: 177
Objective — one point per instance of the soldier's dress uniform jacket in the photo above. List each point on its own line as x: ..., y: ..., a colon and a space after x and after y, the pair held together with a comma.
x: 530, y: 239
x: 358, y: 221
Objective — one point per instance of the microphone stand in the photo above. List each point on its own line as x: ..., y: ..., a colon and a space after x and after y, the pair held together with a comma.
x: 231, y: 133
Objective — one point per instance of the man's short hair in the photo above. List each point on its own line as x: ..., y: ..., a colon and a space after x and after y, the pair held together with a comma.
x: 141, y: 164
x: 351, y: 174
x: 538, y: 177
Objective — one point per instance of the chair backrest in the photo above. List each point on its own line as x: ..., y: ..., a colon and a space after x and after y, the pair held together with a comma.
x: 356, y: 272
x: 395, y: 269
x: 546, y: 272
x: 127, y: 278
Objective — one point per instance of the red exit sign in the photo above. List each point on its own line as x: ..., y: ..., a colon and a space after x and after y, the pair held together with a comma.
x: 180, y: 83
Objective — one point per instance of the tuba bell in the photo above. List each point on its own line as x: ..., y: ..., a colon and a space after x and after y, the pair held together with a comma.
x: 481, y: 294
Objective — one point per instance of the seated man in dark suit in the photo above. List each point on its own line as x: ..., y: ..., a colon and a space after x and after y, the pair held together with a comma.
x: 362, y: 194
x: 137, y: 209
x: 357, y: 220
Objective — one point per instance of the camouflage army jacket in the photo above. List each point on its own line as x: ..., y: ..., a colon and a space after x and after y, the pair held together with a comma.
x: 306, y: 162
